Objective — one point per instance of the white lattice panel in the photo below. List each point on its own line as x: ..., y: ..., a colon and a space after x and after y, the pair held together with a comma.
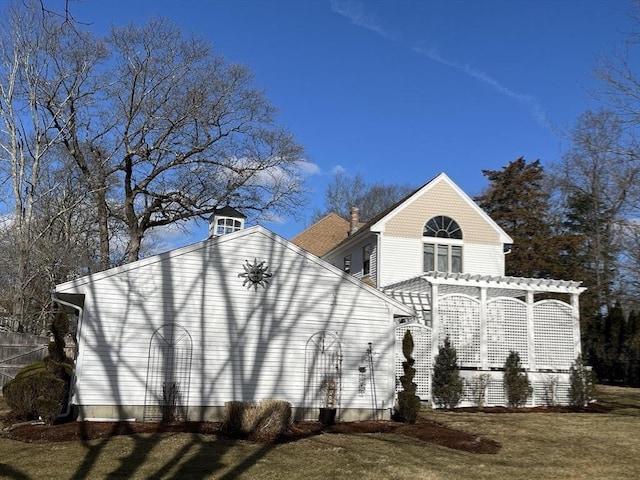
x: 553, y: 329
x: 495, y: 393
x: 562, y: 393
x: 460, y: 321
x: 506, y: 330
x: 422, y: 355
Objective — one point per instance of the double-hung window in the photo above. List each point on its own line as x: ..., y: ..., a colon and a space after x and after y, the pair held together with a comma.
x: 346, y: 266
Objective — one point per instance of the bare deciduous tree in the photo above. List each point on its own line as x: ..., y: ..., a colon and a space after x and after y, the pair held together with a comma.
x: 599, y: 177
x: 346, y: 191
x: 139, y: 130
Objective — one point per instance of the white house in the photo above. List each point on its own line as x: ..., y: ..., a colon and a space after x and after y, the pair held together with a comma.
x: 247, y: 315
x: 242, y: 316
x: 438, y: 252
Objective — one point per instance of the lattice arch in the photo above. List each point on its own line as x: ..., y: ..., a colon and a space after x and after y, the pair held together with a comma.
x: 506, y: 330
x: 460, y: 321
x: 554, y: 338
x: 168, y: 374
x: 421, y: 354
x: 323, y: 371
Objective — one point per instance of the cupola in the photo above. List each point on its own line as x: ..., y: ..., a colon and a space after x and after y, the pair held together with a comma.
x: 225, y: 220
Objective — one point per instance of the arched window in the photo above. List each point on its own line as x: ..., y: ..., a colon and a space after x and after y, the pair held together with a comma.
x: 442, y: 227
x: 442, y: 245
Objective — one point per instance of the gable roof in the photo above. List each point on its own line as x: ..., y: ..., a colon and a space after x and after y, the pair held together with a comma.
x: 377, y: 223
x: 323, y: 235
x: 239, y: 236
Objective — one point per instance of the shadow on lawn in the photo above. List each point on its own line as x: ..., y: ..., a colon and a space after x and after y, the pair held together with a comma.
x: 204, y: 455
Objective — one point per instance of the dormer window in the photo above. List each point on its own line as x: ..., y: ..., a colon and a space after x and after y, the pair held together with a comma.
x: 225, y: 220
x: 442, y: 250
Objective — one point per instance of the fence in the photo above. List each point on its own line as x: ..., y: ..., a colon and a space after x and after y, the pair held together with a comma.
x: 18, y: 350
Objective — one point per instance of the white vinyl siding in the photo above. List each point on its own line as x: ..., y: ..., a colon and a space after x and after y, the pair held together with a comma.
x: 356, y: 255
x: 247, y: 344
x: 483, y: 259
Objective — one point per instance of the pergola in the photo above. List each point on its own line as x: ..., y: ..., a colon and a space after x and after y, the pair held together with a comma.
x: 486, y: 317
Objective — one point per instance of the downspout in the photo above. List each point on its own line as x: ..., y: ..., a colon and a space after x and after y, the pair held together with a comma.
x: 72, y: 382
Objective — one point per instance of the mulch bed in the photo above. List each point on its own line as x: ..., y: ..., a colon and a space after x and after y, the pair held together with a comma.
x: 423, y: 430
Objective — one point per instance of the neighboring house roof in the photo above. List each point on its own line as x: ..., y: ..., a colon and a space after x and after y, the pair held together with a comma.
x: 377, y: 223
x: 323, y: 235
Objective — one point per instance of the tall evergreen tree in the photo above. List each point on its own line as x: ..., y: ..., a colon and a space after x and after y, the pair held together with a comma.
x: 632, y: 349
x: 611, y: 367
x: 596, y: 257
x: 518, y: 201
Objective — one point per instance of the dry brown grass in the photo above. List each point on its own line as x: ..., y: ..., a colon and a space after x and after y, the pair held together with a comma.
x: 268, y: 418
x: 534, y: 446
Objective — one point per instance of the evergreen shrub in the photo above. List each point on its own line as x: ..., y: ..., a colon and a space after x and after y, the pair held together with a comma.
x: 447, y: 383
x: 582, y: 382
x: 517, y: 386
x: 41, y: 390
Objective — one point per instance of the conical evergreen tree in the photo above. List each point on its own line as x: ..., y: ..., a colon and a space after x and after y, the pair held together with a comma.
x: 517, y: 200
x: 517, y: 386
x: 447, y: 383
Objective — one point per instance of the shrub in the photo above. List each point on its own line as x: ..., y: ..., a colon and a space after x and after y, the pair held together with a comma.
x: 517, y: 386
x: 581, y: 384
x: 408, y: 401
x: 42, y: 388
x: 478, y: 388
x: 52, y: 398
x: 447, y: 383
x: 170, y: 401
x: 550, y: 387
x: 267, y: 418
x: 35, y: 393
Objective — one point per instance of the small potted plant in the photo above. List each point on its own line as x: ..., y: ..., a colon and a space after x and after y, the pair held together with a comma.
x: 328, y: 412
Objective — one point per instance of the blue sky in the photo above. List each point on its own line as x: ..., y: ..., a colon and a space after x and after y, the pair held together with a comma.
x: 402, y: 90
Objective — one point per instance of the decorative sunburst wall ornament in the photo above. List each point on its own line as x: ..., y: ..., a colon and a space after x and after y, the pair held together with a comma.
x: 255, y: 274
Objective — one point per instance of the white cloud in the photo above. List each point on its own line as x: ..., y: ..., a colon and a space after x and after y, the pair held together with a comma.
x: 523, y: 98
x: 308, y: 168
x: 338, y: 169
x: 355, y: 11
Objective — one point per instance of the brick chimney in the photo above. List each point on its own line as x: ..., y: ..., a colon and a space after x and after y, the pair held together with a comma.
x: 354, y: 220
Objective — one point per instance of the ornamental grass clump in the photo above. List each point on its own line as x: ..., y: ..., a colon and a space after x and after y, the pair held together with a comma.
x: 267, y: 418
x: 517, y: 386
x: 478, y: 388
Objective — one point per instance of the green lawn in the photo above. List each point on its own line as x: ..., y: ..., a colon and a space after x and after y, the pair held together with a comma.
x: 534, y: 446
